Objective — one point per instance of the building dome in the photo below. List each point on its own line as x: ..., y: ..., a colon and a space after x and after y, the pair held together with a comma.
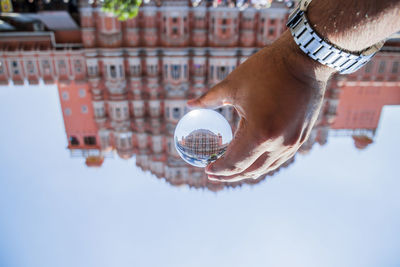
x: 125, y: 154
x: 361, y: 141
x: 94, y: 161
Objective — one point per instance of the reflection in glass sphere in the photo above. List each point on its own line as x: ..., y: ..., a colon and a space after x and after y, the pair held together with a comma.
x: 202, y: 136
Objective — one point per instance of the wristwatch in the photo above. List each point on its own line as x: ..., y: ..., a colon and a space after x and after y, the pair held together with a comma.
x: 319, y: 49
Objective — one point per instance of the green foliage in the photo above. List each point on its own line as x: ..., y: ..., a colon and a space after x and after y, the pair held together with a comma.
x: 122, y: 9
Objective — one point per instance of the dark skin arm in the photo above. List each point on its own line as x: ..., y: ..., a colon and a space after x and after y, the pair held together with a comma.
x: 278, y: 91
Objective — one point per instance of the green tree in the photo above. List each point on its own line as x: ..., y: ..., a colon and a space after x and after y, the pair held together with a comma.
x: 122, y: 9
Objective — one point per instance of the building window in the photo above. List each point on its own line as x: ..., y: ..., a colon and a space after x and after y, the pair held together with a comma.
x: 126, y: 112
x: 104, y: 141
x: 222, y: 72
x: 89, y: 140
x: 174, y: 30
x: 272, y: 21
x: 113, y: 72
x: 46, y: 67
x: 67, y: 112
x: 30, y: 67
x: 138, y: 111
x: 211, y: 72
x: 185, y: 71
x: 82, y: 93
x: 73, y: 141
x: 65, y: 95
x: 395, y: 67
x: 175, y: 72
x: 152, y: 69
x: 99, y: 112
x: 174, y: 20
x: 62, y: 68
x: 84, y: 109
x: 262, y: 20
x: 118, y: 113
x: 78, y: 66
x: 382, y: 67
x: 135, y: 70
x: 223, y: 21
x: 176, y: 113
x: 15, y: 69
x: 198, y: 69
x: 271, y: 31
x: 1, y: 67
x: 92, y: 70
x: 369, y: 66
x: 166, y: 71
x: 121, y: 72
x: 223, y: 30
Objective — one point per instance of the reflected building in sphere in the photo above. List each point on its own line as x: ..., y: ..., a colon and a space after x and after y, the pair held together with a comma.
x: 200, y: 147
x: 123, y: 85
x: 201, y: 143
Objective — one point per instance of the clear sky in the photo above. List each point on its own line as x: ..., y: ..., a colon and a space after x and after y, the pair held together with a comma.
x: 336, y: 206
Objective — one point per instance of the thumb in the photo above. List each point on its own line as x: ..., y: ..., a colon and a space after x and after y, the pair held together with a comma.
x: 215, y: 97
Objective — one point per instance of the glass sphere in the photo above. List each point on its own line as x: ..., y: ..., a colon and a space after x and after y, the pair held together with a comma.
x: 202, y: 136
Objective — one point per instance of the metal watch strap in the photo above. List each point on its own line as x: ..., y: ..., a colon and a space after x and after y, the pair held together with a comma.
x: 322, y: 51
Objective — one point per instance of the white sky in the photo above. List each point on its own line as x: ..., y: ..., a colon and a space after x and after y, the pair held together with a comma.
x: 336, y: 206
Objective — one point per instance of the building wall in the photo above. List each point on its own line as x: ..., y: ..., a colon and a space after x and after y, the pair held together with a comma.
x: 126, y: 90
x: 364, y: 93
x: 76, y: 105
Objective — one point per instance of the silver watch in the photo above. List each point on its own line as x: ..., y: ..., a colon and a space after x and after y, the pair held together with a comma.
x: 321, y: 50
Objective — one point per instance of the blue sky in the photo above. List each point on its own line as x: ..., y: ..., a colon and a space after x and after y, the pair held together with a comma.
x: 336, y: 206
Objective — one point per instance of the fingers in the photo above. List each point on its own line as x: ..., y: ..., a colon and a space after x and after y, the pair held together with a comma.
x: 250, y: 172
x: 264, y: 164
x: 242, y: 152
x: 217, y: 96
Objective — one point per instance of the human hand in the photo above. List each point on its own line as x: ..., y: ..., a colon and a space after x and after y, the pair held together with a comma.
x: 278, y: 93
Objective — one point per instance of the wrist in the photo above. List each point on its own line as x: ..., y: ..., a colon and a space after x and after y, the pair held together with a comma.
x: 298, y: 64
x: 354, y: 25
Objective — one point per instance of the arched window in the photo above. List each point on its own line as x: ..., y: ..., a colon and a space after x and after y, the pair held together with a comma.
x: 113, y: 71
x: 176, y: 113
x: 222, y: 72
x: 175, y: 72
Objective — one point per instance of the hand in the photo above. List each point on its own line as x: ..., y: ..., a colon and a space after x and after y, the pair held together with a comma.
x: 278, y: 93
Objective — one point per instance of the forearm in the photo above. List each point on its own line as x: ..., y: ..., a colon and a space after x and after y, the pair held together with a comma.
x: 355, y: 24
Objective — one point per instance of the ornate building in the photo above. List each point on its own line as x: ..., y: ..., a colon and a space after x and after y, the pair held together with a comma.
x: 202, y: 143
x: 124, y: 88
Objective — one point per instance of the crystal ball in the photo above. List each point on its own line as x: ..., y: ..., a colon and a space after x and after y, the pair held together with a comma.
x: 202, y: 136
